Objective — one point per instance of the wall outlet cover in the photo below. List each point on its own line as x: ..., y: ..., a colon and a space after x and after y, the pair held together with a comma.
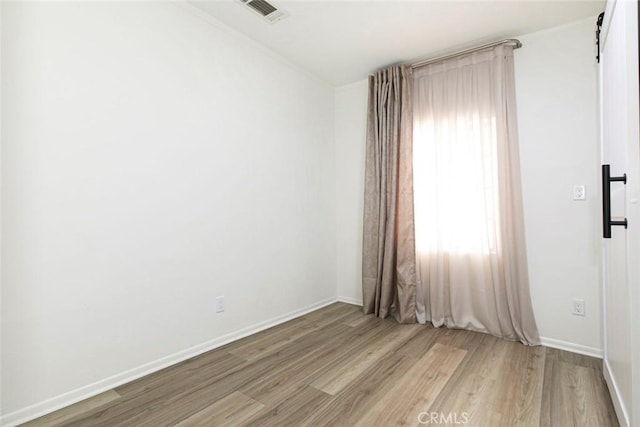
x: 220, y: 304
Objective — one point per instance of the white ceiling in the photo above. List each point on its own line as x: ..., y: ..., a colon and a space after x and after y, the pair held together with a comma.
x: 344, y: 41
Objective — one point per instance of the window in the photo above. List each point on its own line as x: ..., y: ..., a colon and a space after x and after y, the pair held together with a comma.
x: 455, y: 183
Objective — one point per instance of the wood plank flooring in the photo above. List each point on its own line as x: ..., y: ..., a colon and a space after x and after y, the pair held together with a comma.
x: 337, y: 367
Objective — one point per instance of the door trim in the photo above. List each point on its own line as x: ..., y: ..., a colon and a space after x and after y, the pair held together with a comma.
x: 621, y: 413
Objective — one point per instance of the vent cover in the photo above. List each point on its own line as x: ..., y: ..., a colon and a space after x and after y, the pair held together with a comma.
x: 265, y: 9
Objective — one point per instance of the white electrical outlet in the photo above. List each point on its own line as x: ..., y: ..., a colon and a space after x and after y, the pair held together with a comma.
x: 578, y: 307
x: 220, y: 304
x: 579, y: 192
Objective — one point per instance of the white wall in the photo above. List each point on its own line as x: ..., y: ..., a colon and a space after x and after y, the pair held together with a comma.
x: 556, y: 87
x: 350, y: 131
x: 556, y: 98
x: 151, y: 161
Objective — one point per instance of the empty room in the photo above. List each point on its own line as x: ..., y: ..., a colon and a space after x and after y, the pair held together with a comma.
x: 319, y: 213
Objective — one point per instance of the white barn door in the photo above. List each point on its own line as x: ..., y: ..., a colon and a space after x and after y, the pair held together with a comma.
x: 621, y: 253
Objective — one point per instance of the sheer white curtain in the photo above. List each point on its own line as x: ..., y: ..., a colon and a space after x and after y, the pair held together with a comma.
x: 470, y: 246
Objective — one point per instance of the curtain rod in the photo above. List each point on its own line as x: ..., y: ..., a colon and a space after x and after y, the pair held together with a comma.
x: 515, y: 42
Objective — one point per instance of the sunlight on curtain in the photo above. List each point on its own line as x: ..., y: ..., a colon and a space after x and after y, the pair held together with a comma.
x: 470, y: 247
x: 455, y: 181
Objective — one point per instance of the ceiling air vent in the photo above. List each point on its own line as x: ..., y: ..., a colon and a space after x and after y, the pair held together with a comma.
x: 265, y: 9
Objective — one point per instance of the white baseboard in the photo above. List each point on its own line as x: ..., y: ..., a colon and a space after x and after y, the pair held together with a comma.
x: 349, y: 300
x: 50, y: 405
x: 614, y: 391
x: 572, y: 347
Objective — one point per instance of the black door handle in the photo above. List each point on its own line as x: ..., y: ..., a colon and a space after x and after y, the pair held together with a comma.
x: 607, y: 179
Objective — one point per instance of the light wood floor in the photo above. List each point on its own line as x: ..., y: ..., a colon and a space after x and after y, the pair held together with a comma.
x: 336, y: 366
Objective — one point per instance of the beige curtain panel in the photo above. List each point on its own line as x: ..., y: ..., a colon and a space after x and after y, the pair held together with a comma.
x: 389, y: 269
x: 471, y: 255
x: 445, y: 138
